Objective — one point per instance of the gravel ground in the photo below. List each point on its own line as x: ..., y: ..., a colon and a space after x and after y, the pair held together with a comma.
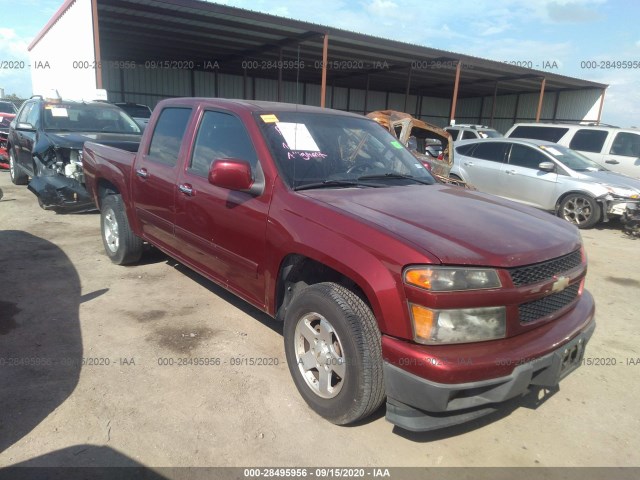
x: 102, y: 382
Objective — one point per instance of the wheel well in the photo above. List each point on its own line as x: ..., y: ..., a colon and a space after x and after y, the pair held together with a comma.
x: 298, y: 272
x: 602, y: 203
x: 105, y: 188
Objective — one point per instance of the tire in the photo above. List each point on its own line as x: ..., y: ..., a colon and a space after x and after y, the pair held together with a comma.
x: 18, y: 177
x: 120, y: 243
x: 581, y: 210
x: 455, y: 177
x: 340, y: 379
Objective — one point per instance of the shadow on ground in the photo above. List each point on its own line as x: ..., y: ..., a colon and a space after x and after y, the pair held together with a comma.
x: 40, y: 341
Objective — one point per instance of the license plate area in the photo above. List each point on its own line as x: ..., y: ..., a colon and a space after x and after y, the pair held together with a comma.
x: 571, y: 356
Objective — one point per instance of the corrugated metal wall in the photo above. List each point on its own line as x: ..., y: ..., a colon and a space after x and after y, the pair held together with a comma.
x: 149, y: 86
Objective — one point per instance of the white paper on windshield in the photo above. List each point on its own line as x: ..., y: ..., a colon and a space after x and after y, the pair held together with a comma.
x: 59, y: 112
x: 554, y: 151
x: 298, y: 137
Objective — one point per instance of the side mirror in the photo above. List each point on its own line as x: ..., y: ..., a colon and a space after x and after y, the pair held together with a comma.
x: 231, y: 173
x: 25, y: 126
x: 412, y: 144
x: 547, y: 166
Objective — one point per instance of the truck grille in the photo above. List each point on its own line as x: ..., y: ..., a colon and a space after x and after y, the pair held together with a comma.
x: 539, y: 272
x: 532, y: 311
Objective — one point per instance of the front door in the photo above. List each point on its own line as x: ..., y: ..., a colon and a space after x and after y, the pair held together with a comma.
x: 224, y: 231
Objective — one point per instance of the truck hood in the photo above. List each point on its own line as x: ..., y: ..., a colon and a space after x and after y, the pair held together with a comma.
x: 458, y: 226
x: 76, y: 139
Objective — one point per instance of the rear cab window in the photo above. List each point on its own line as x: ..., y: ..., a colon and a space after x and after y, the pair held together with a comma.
x: 167, y: 135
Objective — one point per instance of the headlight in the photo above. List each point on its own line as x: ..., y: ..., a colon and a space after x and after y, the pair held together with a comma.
x: 621, y: 191
x: 433, y: 327
x: 450, y: 279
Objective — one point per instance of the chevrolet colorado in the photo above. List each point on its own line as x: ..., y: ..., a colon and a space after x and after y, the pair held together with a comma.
x: 443, y: 301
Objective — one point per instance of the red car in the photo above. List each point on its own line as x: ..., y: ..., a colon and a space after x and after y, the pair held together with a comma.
x: 442, y: 300
x: 7, y: 114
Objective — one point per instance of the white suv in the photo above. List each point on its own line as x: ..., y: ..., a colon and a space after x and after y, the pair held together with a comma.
x: 616, y: 148
x: 472, y: 132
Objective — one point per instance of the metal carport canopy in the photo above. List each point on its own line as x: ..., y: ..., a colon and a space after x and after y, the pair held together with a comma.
x: 245, y: 42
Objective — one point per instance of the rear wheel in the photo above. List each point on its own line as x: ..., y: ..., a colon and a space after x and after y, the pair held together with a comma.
x: 120, y: 243
x: 334, y: 352
x: 581, y: 210
x: 18, y: 177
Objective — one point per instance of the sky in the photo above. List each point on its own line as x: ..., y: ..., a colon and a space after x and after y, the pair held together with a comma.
x: 560, y: 33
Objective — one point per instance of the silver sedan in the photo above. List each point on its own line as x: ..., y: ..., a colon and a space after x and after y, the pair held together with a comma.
x: 545, y: 175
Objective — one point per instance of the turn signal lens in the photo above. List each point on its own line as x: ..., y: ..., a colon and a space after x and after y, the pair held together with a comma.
x: 422, y: 320
x: 450, y: 279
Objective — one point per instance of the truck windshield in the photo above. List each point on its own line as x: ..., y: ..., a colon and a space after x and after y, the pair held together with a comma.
x: 314, y: 150
x: 82, y: 117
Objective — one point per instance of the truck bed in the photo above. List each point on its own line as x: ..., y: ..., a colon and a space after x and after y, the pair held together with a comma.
x: 107, y: 161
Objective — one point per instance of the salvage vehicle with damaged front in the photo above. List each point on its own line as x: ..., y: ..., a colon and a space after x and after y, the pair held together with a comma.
x: 445, y: 301
x: 545, y: 175
x: 45, y: 143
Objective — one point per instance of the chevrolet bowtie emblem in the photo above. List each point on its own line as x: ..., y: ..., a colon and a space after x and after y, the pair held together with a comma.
x: 560, y: 284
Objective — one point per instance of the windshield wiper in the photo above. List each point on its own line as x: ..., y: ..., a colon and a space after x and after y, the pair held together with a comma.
x: 394, y: 175
x: 334, y: 183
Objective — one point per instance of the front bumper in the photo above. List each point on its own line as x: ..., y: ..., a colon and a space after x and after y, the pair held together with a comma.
x: 417, y: 404
x: 61, y: 194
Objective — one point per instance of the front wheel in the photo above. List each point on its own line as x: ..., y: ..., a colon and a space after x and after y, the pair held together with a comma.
x: 334, y: 353
x: 18, y: 177
x: 120, y: 243
x: 581, y: 210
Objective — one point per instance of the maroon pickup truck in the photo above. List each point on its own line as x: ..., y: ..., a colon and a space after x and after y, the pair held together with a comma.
x: 443, y: 301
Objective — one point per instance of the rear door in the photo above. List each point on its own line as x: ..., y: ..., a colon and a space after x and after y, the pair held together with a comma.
x: 525, y: 182
x: 224, y: 231
x: 622, y: 153
x: 482, y: 168
x: 156, y: 174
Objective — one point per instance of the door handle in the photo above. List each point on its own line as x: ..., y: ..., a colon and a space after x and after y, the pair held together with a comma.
x: 186, y: 189
x: 142, y: 173
x: 510, y: 172
x: 468, y: 164
x: 611, y: 161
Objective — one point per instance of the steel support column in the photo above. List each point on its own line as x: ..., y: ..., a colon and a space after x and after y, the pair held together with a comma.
x: 454, y: 100
x: 601, y: 106
x: 540, y: 99
x: 325, y: 51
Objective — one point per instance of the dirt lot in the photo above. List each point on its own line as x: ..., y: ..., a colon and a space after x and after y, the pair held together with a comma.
x: 62, y: 301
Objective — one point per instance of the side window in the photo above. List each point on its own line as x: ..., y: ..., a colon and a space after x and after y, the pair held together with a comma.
x: 167, y: 136
x: 220, y: 135
x: 626, y: 144
x: 523, y: 156
x: 550, y: 134
x: 468, y: 135
x: 494, y: 151
x: 454, y: 134
x: 588, y: 140
x: 24, y: 113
